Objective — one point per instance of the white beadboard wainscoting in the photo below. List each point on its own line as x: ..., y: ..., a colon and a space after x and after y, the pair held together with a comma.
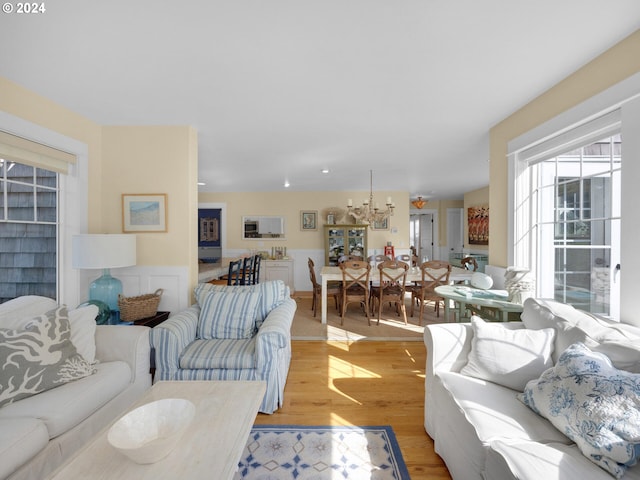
x: 139, y: 280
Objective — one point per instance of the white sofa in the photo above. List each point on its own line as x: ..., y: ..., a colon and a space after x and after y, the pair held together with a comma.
x: 40, y: 432
x: 480, y: 427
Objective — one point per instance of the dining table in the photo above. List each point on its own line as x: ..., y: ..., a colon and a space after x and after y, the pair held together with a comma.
x: 490, y: 304
x: 414, y: 274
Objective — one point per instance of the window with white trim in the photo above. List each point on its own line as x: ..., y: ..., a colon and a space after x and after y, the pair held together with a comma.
x: 28, y: 231
x: 567, y: 215
x: 29, y: 216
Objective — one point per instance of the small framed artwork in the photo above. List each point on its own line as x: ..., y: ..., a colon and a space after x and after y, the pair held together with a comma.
x: 144, y: 212
x: 308, y: 220
x: 381, y: 225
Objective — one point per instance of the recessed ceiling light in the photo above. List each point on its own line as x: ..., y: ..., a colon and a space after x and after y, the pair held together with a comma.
x: 325, y: 170
x: 201, y: 183
x: 286, y: 184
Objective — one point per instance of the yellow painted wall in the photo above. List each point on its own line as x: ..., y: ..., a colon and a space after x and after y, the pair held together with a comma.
x: 153, y: 159
x: 613, y: 66
x: 20, y: 102
x: 127, y: 160
x: 289, y: 205
x: 475, y: 198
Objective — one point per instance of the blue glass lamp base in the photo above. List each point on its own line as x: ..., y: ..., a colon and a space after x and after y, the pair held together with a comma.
x: 106, y: 289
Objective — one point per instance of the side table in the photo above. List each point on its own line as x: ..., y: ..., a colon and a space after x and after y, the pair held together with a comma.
x: 151, y: 322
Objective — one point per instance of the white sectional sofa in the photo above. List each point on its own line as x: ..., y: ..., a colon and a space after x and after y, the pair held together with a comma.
x: 41, y: 431
x: 476, y: 372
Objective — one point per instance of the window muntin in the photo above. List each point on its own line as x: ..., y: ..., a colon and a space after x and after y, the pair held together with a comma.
x: 575, y: 207
x: 28, y: 231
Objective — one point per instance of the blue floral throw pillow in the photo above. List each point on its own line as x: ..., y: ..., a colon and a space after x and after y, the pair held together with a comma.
x: 594, y: 404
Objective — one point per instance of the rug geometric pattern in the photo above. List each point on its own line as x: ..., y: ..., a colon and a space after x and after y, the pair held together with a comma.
x: 282, y: 452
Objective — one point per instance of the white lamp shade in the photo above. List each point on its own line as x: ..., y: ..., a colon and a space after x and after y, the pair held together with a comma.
x: 103, y: 251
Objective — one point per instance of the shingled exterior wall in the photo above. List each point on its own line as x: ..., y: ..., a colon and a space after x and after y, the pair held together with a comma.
x: 28, y: 259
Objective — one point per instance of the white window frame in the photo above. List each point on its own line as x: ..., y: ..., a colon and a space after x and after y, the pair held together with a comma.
x: 624, y: 96
x: 73, y: 198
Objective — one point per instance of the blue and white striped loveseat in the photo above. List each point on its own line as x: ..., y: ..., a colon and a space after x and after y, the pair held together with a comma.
x: 185, y: 349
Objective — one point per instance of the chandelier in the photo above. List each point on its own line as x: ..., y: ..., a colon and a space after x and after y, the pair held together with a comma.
x: 419, y: 203
x: 370, y: 212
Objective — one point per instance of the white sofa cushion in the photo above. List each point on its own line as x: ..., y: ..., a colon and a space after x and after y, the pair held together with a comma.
x: 573, y: 326
x: 64, y: 407
x: 508, y: 357
x: 13, y: 312
x: 40, y: 357
x: 594, y: 404
x: 534, y: 461
x: 83, y: 331
x: 494, y: 411
x: 21, y: 438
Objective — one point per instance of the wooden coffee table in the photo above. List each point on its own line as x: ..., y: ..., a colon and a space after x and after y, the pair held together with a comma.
x: 210, y: 448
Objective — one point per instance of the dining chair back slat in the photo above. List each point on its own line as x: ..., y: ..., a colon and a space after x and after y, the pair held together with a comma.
x: 246, y: 273
x: 433, y: 274
x: 355, y: 285
x: 257, y: 260
x: 392, y: 286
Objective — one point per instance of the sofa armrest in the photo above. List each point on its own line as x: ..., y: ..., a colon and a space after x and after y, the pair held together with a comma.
x: 448, y: 345
x: 275, y: 331
x: 172, y: 336
x: 126, y: 343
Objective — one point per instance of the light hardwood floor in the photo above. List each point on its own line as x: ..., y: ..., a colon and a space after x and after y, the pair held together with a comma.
x: 362, y: 383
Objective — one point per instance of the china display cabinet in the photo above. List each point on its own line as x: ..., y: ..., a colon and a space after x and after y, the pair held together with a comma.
x: 344, y: 240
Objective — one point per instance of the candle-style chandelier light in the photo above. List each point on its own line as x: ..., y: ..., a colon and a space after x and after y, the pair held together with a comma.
x: 370, y: 212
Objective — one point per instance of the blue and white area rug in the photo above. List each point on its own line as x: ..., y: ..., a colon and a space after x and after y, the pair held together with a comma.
x: 282, y: 452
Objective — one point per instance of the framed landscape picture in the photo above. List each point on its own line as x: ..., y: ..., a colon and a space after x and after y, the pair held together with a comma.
x: 144, y: 212
x: 308, y: 220
x: 382, y: 225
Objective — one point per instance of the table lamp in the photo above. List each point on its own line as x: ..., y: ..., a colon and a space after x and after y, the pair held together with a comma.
x: 104, y: 251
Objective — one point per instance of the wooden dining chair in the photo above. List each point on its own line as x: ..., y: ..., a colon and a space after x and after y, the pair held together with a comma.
x: 392, y: 287
x: 333, y: 289
x: 233, y: 275
x: 433, y: 274
x: 374, y: 260
x: 355, y: 286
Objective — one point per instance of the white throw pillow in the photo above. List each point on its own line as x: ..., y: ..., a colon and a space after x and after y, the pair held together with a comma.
x: 508, y: 357
x: 83, y: 331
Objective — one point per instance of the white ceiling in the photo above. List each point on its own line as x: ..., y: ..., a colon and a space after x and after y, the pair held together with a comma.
x: 280, y: 89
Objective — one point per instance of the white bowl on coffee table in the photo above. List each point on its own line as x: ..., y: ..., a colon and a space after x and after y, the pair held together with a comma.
x: 148, y: 433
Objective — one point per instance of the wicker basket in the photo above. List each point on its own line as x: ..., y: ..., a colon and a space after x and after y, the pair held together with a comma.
x: 135, y: 308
